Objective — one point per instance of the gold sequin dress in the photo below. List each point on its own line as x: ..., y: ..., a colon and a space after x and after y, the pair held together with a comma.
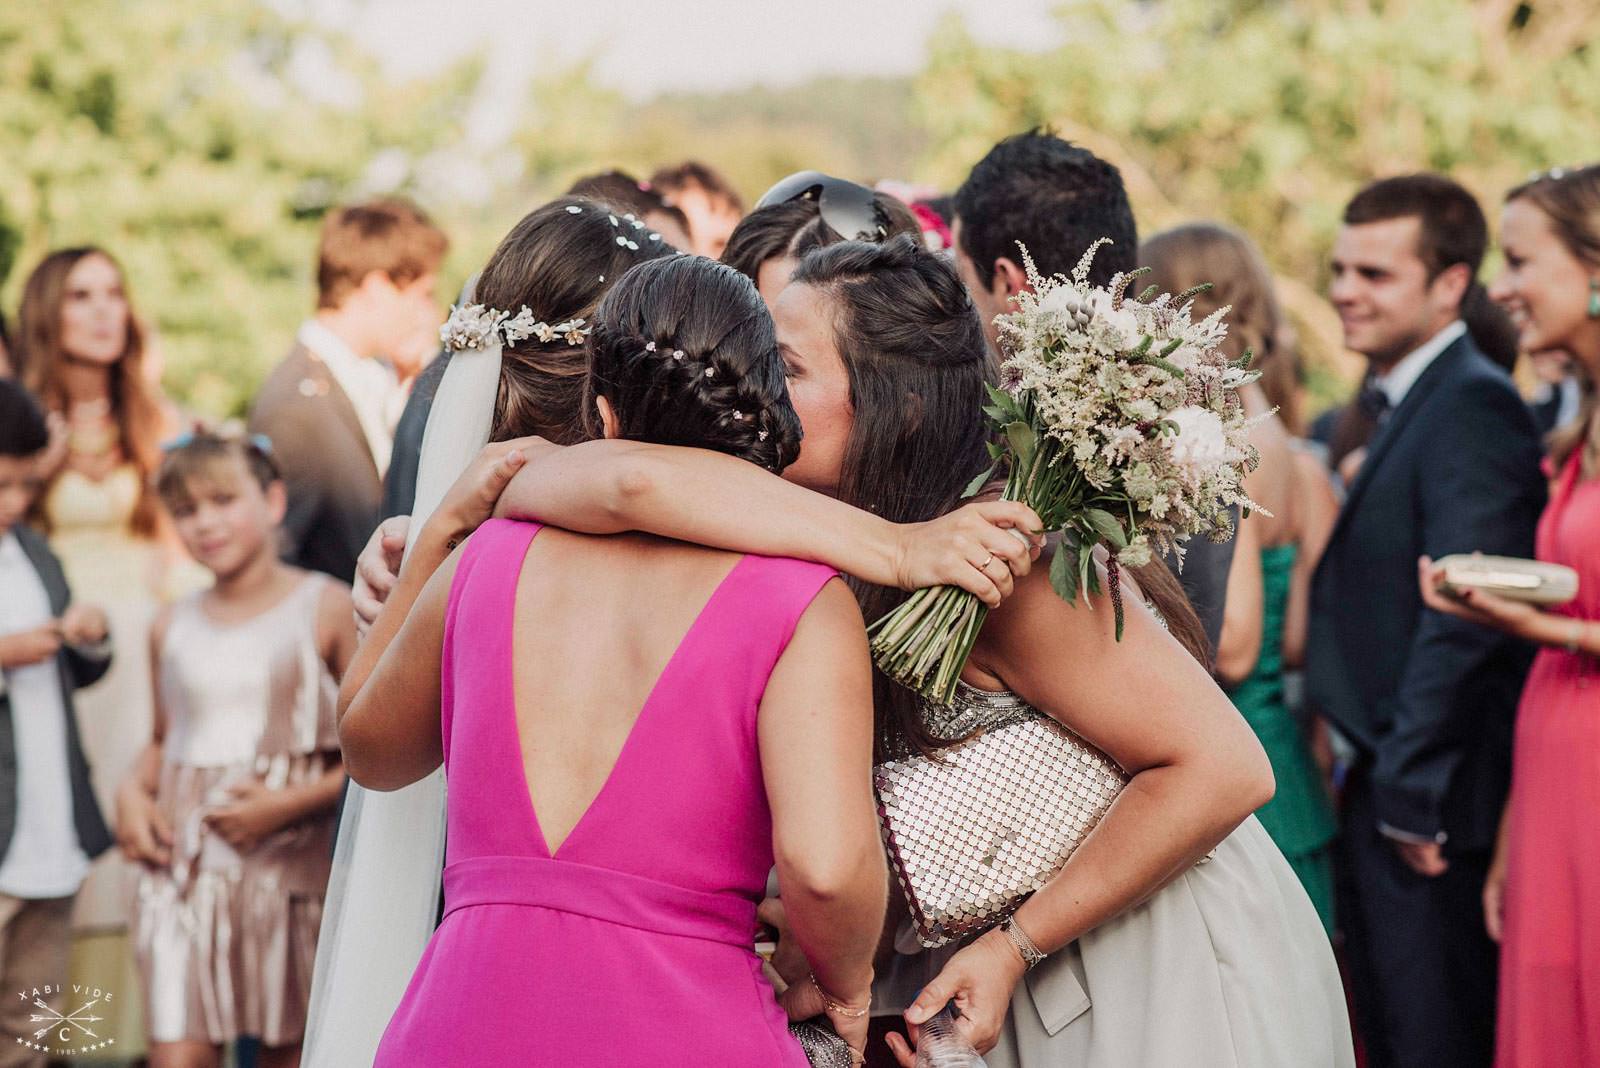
x: 225, y: 940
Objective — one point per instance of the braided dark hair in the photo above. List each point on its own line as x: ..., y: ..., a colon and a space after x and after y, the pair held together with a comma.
x: 684, y: 352
x: 558, y: 261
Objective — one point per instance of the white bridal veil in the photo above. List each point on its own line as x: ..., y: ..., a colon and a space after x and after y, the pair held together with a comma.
x: 383, y: 895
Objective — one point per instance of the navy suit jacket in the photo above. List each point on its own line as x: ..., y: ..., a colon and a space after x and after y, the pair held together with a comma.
x: 1429, y: 699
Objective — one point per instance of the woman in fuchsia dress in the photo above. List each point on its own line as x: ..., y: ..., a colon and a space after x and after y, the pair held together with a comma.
x: 633, y: 732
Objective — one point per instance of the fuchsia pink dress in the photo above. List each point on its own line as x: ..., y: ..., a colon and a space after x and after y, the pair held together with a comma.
x: 1550, y: 955
x: 632, y: 945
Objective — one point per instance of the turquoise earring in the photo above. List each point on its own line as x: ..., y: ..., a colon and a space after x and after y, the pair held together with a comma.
x: 1594, y: 298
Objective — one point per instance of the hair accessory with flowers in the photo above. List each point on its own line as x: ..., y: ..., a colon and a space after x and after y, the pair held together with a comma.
x: 1118, y: 420
x: 475, y: 326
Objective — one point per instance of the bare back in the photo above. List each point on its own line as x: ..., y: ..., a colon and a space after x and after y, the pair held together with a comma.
x: 624, y: 604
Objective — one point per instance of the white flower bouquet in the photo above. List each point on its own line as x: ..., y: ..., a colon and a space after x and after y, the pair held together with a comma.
x: 1119, y: 422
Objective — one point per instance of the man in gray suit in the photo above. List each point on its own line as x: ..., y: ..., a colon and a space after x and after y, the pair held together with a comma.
x: 327, y: 406
x: 50, y: 826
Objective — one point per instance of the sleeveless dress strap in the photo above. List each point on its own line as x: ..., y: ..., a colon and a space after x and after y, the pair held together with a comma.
x: 769, y: 594
x: 490, y: 562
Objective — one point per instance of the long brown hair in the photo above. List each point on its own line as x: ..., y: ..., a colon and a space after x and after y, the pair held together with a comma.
x: 913, y: 347
x: 1571, y: 201
x: 40, y: 355
x: 558, y: 261
x: 1191, y: 255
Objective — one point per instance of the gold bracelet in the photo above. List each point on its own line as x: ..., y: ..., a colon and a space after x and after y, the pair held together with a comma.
x: 834, y: 1005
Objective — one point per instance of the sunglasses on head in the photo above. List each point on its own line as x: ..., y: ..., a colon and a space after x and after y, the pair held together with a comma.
x: 850, y: 210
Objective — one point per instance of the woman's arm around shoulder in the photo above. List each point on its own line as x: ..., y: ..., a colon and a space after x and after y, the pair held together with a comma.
x: 695, y: 495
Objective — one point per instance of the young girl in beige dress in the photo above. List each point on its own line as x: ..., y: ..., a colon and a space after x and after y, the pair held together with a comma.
x: 230, y: 806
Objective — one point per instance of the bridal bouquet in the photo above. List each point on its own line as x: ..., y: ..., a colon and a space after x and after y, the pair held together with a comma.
x: 1120, y: 424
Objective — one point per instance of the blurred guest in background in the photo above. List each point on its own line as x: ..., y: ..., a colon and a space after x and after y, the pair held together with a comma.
x: 1269, y: 585
x: 1542, y: 897
x: 6, y: 369
x: 1427, y: 700
x: 82, y: 352
x: 228, y: 809
x: 931, y: 207
x: 50, y: 824
x: 708, y: 201
x: 1057, y: 199
x: 628, y: 195
x: 326, y: 406
x: 1345, y: 430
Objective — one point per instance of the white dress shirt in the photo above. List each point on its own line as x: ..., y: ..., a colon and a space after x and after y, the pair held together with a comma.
x: 369, y: 384
x: 44, y: 859
x: 1397, y: 381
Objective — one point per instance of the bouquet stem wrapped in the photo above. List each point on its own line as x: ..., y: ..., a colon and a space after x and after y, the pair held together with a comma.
x: 1119, y: 422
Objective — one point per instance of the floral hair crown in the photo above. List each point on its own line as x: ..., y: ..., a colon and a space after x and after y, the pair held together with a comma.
x: 474, y: 326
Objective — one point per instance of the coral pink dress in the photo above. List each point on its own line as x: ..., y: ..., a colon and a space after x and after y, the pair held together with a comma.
x: 633, y: 943
x: 1550, y: 957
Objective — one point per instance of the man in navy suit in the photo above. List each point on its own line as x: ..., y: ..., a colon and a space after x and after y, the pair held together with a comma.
x: 1427, y: 701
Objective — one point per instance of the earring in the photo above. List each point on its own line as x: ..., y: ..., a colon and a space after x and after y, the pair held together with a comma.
x: 1594, y: 298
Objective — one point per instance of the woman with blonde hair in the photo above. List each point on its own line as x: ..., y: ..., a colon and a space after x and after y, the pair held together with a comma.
x: 1269, y: 587
x: 1541, y: 900
x: 81, y: 350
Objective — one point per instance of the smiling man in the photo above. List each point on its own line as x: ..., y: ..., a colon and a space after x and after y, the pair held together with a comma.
x: 1426, y: 700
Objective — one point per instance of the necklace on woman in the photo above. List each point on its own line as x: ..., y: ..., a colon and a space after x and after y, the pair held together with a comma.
x: 91, y: 430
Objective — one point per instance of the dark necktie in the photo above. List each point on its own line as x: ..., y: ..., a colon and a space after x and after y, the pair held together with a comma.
x: 1373, y: 402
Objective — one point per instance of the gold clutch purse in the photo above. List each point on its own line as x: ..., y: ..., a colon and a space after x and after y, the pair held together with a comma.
x: 970, y: 834
x: 1533, y: 581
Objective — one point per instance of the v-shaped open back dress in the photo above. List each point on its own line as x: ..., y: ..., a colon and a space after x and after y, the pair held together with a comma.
x: 632, y: 943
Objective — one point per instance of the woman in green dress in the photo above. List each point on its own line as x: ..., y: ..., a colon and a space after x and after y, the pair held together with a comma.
x: 1264, y: 627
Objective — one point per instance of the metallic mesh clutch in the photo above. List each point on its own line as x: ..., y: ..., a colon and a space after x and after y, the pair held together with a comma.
x: 971, y: 834
x: 821, y: 1043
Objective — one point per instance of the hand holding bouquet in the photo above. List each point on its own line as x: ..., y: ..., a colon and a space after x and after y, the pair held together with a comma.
x: 1119, y: 422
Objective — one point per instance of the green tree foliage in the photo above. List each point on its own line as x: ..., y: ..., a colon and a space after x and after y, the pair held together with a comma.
x: 202, y: 142
x: 200, y: 145
x: 1270, y: 113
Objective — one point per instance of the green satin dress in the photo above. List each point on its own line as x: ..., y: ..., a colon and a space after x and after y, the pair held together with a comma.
x: 1299, y: 817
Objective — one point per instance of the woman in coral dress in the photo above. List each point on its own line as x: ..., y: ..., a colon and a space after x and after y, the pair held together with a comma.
x: 1542, y: 897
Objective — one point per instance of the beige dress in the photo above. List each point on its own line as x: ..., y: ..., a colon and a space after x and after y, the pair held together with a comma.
x: 1225, y: 967
x: 129, y: 576
x: 225, y: 940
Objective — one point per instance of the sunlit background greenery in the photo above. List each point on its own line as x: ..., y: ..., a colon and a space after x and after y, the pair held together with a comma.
x: 179, y: 136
